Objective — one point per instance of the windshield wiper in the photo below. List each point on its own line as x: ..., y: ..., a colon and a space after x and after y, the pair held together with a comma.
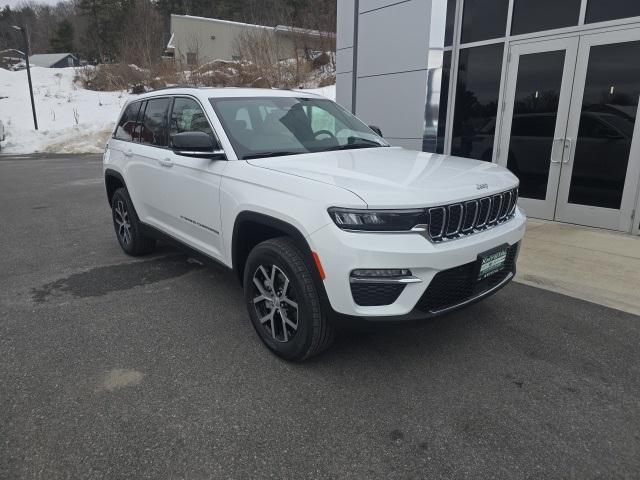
x: 349, y: 146
x: 269, y: 154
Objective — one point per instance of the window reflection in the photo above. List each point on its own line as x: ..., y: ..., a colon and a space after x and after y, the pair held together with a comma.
x: 609, y: 109
x: 538, y: 15
x: 477, y: 93
x: 534, y: 120
x: 484, y: 19
x: 603, y: 10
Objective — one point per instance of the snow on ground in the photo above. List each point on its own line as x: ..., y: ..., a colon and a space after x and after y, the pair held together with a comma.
x: 70, y: 118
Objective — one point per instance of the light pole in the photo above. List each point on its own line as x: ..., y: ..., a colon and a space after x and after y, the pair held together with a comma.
x: 25, y: 37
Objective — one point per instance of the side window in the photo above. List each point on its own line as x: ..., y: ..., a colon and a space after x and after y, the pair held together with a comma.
x: 127, y: 124
x: 187, y: 116
x: 154, y: 122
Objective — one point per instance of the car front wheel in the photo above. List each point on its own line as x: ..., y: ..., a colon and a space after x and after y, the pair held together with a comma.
x: 283, y: 301
x: 127, y: 226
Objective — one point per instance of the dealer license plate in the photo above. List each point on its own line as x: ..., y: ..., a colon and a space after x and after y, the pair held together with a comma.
x: 491, y: 263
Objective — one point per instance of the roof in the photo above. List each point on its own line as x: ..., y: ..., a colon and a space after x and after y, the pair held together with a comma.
x: 277, y: 28
x: 214, y: 92
x: 48, y: 59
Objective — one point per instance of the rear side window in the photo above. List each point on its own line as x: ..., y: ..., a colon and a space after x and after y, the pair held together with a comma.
x: 188, y: 116
x: 154, y: 122
x: 127, y: 124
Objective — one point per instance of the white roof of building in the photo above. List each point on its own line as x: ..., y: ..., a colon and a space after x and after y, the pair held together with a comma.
x: 277, y: 28
x: 48, y: 59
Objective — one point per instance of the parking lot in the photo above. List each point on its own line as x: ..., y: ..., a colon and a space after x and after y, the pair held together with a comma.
x: 121, y: 368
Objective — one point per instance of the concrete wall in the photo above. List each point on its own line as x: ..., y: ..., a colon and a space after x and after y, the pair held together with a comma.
x: 214, y: 39
x: 388, y: 60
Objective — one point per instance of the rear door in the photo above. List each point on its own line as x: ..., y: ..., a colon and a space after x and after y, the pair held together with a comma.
x: 146, y: 173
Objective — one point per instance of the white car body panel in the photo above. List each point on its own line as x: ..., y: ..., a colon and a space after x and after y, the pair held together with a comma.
x: 197, y: 201
x: 392, y: 177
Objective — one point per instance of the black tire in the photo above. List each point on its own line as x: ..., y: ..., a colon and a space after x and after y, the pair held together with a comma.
x: 314, y: 332
x: 134, y: 243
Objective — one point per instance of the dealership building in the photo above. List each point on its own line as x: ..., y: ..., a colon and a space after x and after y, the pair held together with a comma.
x: 548, y: 88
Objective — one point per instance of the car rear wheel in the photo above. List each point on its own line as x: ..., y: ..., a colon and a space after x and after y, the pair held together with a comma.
x: 127, y: 226
x: 283, y: 301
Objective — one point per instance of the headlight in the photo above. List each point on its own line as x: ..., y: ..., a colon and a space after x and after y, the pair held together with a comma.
x: 378, y: 220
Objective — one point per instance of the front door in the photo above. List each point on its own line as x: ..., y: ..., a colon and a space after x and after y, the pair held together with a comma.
x: 537, y: 103
x: 569, y: 131
x: 599, y: 180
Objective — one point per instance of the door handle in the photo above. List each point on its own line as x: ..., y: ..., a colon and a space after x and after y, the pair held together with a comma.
x: 553, y: 148
x: 568, y: 145
x: 166, y: 162
x: 128, y: 153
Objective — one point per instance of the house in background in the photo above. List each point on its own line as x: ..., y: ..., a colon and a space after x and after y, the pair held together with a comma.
x: 54, y: 60
x: 199, y: 40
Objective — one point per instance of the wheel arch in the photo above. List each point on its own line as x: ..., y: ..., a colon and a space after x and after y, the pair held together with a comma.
x: 251, y: 228
x: 113, y: 180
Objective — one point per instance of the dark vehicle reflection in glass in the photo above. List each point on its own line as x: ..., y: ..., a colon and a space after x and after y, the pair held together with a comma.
x: 602, y: 156
x: 604, y: 142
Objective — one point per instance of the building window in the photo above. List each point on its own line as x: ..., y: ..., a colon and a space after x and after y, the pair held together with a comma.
x: 444, y: 100
x: 192, y: 59
x: 538, y: 15
x: 449, y: 22
x: 477, y: 92
x: 603, y: 10
x: 484, y: 20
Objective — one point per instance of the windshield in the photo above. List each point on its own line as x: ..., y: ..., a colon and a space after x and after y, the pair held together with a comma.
x: 272, y: 126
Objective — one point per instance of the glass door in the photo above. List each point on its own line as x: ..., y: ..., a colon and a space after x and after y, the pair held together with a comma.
x: 537, y: 101
x: 601, y: 168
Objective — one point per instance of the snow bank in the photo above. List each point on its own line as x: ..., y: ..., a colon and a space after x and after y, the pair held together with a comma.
x: 71, y: 119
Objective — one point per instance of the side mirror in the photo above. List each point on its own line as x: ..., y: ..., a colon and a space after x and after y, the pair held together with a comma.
x: 376, y: 129
x: 196, y: 144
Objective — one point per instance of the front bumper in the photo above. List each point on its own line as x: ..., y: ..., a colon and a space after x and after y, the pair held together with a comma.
x: 342, y: 252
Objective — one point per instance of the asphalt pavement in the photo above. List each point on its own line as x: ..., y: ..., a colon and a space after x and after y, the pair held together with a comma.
x: 120, y: 368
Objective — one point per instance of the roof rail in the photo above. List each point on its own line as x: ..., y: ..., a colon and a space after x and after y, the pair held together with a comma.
x: 174, y: 86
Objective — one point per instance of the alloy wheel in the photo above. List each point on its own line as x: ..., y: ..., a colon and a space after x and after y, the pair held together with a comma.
x: 123, y: 222
x: 274, y: 302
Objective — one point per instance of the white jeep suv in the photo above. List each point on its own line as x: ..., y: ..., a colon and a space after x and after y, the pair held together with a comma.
x: 322, y: 221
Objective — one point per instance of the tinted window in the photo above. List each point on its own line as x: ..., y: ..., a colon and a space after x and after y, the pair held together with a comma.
x: 484, y: 19
x: 535, y: 112
x: 477, y: 101
x: 450, y: 21
x: 444, y: 99
x: 127, y: 124
x: 602, y: 10
x: 608, y: 117
x: 154, y: 123
x: 537, y: 15
x: 188, y: 116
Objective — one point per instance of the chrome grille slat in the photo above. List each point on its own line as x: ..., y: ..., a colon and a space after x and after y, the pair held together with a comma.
x: 455, y: 210
x: 439, y: 233
x: 467, y: 227
x: 456, y: 220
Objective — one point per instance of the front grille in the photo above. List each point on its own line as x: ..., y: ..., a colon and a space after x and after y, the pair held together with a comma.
x: 457, y: 285
x: 460, y: 219
x: 376, y: 294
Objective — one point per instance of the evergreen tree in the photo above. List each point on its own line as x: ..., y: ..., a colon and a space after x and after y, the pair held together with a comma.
x: 62, y: 39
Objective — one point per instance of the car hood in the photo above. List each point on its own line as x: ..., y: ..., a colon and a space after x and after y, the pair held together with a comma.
x: 393, y: 177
